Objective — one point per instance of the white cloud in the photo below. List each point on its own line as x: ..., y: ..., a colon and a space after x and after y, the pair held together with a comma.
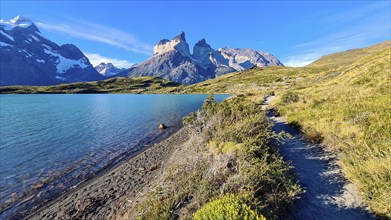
x: 99, y: 33
x: 96, y: 59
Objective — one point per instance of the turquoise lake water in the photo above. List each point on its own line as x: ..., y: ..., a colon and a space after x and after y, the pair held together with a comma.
x: 51, y: 142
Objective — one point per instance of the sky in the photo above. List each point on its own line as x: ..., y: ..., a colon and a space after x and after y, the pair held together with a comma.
x: 124, y: 32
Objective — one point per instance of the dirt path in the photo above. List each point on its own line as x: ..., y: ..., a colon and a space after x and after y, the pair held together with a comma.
x: 328, y: 194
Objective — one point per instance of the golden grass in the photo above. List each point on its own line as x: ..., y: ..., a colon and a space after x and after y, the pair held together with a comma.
x: 352, y: 112
x: 344, y: 100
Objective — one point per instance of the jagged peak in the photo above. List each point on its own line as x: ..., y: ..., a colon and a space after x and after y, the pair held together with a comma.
x: 178, y: 43
x: 202, y: 43
x: 181, y: 36
x: 163, y: 41
x: 20, y: 19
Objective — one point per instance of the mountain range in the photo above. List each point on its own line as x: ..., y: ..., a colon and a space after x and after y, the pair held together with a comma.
x: 28, y: 58
x: 172, y: 60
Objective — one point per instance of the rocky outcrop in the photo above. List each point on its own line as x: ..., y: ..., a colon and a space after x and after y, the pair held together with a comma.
x: 172, y: 60
x: 202, y: 52
x: 178, y: 44
x: 28, y: 58
x: 241, y: 59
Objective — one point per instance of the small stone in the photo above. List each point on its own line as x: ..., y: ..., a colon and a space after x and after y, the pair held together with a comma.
x: 162, y: 126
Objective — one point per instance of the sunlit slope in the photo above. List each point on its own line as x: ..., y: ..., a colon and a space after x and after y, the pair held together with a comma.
x: 342, y: 99
x: 349, y: 108
x: 349, y: 56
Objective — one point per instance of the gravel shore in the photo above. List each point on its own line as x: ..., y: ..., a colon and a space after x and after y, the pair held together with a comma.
x: 116, y: 191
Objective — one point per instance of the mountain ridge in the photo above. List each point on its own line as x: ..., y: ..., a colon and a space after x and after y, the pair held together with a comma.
x: 172, y: 60
x: 28, y: 58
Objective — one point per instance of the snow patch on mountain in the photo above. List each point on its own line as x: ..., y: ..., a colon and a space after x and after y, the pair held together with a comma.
x: 34, y: 37
x: 6, y: 35
x: 18, y: 21
x: 64, y: 64
x: 2, y: 44
x: 61, y: 78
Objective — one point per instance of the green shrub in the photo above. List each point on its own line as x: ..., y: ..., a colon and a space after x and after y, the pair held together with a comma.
x: 227, y: 207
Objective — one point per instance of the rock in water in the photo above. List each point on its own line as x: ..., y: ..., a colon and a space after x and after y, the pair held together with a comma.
x: 162, y: 126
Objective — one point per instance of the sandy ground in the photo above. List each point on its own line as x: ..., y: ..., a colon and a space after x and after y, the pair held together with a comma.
x: 328, y: 194
x: 116, y: 191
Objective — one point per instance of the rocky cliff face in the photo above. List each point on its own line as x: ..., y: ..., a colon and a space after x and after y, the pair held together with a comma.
x: 178, y: 44
x: 241, y: 59
x: 108, y: 69
x: 172, y: 60
x: 28, y: 58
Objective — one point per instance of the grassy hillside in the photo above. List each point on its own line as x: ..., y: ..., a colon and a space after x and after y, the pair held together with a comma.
x: 348, y: 57
x: 342, y: 99
x: 349, y: 108
x: 114, y: 85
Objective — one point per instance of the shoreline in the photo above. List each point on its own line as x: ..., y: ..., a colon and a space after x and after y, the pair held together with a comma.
x: 115, y: 190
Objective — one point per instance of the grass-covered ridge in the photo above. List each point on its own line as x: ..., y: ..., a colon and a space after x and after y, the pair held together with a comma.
x: 349, y: 108
x: 344, y: 100
x: 115, y: 85
x: 229, y: 161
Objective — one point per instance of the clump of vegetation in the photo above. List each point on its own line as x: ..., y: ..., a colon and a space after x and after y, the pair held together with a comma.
x: 230, y: 156
x: 290, y: 97
x: 227, y: 207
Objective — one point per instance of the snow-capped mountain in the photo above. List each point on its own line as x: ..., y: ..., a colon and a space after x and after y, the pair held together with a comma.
x: 172, y: 60
x: 28, y: 58
x: 108, y: 69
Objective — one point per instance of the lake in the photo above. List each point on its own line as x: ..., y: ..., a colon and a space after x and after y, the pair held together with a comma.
x: 51, y: 142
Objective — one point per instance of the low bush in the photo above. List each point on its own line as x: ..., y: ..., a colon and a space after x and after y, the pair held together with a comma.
x: 227, y: 207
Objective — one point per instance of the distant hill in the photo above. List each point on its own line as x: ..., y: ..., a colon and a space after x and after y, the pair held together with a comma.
x: 349, y: 56
x: 114, y: 85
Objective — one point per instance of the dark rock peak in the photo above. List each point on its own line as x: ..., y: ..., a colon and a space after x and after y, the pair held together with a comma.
x: 202, y: 43
x: 163, y: 41
x: 181, y: 36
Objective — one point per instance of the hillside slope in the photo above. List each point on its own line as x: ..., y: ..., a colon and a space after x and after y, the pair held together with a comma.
x: 349, y: 108
x: 348, y: 57
x: 342, y: 100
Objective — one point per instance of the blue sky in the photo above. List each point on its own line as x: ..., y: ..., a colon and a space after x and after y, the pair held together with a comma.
x: 124, y: 32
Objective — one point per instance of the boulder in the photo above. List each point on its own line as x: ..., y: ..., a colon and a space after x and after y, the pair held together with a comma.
x: 162, y: 126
